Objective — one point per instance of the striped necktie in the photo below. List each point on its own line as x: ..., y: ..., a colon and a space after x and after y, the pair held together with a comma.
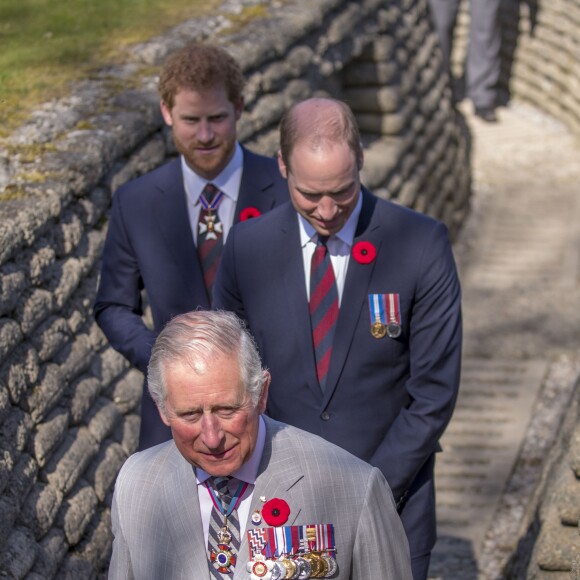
x: 209, y: 234
x: 323, y: 307
x: 222, y: 550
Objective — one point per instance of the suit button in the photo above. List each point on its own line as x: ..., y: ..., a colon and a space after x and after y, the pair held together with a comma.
x: 325, y: 416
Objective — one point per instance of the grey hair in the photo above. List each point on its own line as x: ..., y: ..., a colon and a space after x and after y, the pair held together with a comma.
x: 196, y: 338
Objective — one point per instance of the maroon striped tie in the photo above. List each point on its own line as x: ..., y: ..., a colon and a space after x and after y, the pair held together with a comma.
x: 323, y: 307
x: 209, y: 234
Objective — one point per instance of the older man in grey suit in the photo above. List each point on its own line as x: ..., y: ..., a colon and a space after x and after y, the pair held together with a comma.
x: 236, y: 494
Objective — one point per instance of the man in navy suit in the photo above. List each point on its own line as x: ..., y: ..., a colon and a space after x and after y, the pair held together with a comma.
x: 167, y: 228
x: 354, y: 302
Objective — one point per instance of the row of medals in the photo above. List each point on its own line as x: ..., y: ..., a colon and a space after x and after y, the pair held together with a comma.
x: 300, y: 567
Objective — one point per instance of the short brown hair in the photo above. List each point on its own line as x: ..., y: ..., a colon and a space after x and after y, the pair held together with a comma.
x: 200, y: 66
x: 332, y: 121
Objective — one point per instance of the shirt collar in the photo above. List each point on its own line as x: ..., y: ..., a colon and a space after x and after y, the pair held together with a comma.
x: 345, y: 234
x: 227, y: 181
x: 248, y: 472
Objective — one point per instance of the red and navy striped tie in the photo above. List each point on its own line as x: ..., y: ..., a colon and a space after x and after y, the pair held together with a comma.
x: 209, y: 234
x: 323, y: 307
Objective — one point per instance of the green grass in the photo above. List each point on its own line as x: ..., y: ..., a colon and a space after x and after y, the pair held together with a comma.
x: 46, y: 44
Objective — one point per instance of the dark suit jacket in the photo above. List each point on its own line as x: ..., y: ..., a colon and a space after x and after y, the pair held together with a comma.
x: 150, y: 246
x: 386, y: 400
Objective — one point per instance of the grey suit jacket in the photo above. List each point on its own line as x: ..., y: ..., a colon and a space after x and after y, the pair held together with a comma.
x: 157, y: 525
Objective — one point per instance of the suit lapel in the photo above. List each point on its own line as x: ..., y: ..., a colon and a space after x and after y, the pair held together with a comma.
x: 173, y: 221
x: 186, y: 544
x: 298, y: 314
x: 255, y: 181
x: 279, y: 476
x: 355, y: 294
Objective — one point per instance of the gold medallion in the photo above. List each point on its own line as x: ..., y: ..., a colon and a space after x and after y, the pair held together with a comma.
x: 378, y: 329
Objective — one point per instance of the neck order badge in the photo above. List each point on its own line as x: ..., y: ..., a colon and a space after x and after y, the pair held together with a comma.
x: 210, y: 234
x: 224, y: 528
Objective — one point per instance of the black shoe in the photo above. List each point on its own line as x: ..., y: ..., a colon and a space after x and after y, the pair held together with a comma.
x: 486, y: 114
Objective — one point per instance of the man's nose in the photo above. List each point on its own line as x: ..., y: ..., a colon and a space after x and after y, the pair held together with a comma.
x: 327, y: 207
x: 211, y: 431
x: 205, y: 131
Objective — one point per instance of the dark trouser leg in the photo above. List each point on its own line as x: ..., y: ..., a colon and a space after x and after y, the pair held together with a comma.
x: 483, y: 59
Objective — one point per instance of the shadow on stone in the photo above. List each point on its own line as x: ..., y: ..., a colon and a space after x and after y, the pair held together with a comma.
x: 453, y: 558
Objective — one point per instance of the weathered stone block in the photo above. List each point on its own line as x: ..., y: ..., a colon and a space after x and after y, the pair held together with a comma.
x: 10, y: 336
x: 83, y: 395
x: 127, y: 433
x: 370, y: 73
x: 70, y: 461
x: 146, y: 158
x: 373, y: 99
x: 15, y: 431
x: 557, y: 545
x: 109, y: 366
x: 51, y: 551
x: 103, y: 472
x: 4, y: 403
x: 75, y: 358
x: 13, y: 280
x: 567, y: 498
x: 68, y: 276
x: 47, y: 393
x: 128, y: 391
x: 8, y: 514
x: 38, y: 306
x: 20, y: 371
x: 22, y: 479
x: 19, y: 554
x: 49, y: 434
x: 96, y: 548
x: 102, y: 419
x: 50, y: 337
x: 76, y: 512
x: 40, y: 508
x: 40, y: 263
x: 67, y: 235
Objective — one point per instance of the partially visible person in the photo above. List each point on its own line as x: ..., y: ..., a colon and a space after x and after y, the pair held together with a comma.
x: 355, y: 305
x: 483, y: 65
x: 167, y: 228
x: 236, y: 494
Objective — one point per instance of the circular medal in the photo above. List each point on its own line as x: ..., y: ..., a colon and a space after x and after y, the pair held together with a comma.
x: 378, y: 329
x: 278, y: 571
x: 259, y: 569
x: 256, y: 518
x: 315, y: 564
x: 304, y: 567
x: 393, y: 330
x: 332, y: 565
x: 291, y: 569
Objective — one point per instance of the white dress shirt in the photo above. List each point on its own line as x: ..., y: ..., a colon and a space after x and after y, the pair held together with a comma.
x: 339, y: 246
x: 248, y: 473
x: 227, y: 181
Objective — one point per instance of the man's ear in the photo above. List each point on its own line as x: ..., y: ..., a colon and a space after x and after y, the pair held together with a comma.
x: 239, y: 108
x: 282, y: 166
x: 163, y: 417
x: 264, y: 394
x: 166, y: 112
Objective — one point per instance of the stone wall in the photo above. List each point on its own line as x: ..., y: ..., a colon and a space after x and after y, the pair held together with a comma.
x: 541, y: 65
x: 68, y: 402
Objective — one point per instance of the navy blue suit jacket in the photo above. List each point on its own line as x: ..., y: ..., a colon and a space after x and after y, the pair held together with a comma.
x: 150, y: 246
x: 386, y: 400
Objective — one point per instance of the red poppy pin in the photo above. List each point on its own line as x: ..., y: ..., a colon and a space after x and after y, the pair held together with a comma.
x: 249, y: 212
x: 364, y: 252
x: 276, y: 512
